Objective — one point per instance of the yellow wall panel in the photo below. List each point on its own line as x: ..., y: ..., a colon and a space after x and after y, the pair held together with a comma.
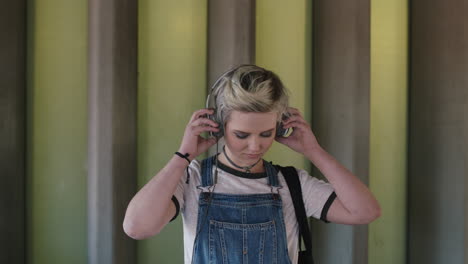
x: 388, y: 148
x: 56, y: 132
x: 172, y: 84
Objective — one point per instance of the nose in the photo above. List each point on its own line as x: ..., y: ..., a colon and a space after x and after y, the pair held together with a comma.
x: 254, y: 145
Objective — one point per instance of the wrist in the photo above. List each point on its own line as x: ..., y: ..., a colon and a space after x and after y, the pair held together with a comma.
x: 179, y: 162
x: 185, y: 151
x: 184, y: 156
x: 314, y: 152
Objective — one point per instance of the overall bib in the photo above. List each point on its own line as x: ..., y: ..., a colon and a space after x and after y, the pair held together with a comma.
x: 247, y: 228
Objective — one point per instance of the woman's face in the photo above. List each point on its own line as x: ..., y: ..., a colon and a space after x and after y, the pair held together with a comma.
x: 248, y: 136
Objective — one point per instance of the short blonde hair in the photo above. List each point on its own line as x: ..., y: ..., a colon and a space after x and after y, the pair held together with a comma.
x: 249, y: 88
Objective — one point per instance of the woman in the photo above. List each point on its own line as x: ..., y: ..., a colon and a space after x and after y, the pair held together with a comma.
x: 236, y: 207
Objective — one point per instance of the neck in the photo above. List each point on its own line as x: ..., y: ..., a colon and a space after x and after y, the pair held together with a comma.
x: 228, y: 159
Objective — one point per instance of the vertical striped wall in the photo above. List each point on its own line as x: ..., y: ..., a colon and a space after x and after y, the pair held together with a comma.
x: 304, y: 48
x: 388, y: 129
x: 172, y: 84
x: 56, y: 132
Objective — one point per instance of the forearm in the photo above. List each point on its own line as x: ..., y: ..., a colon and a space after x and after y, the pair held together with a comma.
x: 146, y: 212
x: 353, y: 194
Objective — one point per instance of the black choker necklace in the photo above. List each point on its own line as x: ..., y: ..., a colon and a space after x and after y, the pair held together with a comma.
x: 246, y: 168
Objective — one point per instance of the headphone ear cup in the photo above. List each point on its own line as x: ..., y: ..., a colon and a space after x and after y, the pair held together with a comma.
x: 210, y: 103
x: 220, y: 133
x: 280, y: 130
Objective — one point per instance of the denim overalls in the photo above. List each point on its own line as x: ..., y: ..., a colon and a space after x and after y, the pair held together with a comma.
x: 247, y: 228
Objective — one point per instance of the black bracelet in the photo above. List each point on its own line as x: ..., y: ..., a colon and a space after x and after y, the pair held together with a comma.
x: 183, y: 156
x: 186, y: 158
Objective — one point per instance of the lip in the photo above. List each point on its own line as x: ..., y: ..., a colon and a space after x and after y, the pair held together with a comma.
x: 253, y: 156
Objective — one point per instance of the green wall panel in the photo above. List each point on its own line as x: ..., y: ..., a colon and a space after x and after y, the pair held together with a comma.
x: 56, y: 131
x: 283, y: 45
x: 388, y: 148
x: 172, y: 84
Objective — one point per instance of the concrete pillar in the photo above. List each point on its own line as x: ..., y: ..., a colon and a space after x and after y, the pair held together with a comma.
x: 340, y: 111
x: 112, y: 128
x: 231, y: 35
x: 438, y: 136
x: 12, y: 131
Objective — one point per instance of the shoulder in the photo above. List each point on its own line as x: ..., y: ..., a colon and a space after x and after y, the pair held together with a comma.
x: 195, y: 164
x: 302, y: 174
x: 305, y: 178
x: 198, y: 163
x: 195, y: 170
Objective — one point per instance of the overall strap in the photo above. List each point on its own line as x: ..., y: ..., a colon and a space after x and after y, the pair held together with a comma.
x: 207, y: 171
x: 271, y: 174
x: 294, y: 185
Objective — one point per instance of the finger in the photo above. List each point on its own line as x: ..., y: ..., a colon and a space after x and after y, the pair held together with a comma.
x: 294, y: 118
x: 201, y: 113
x: 206, y: 143
x: 200, y: 129
x: 203, y: 121
x: 296, y: 124
x: 294, y: 111
x: 282, y: 140
x: 204, y: 113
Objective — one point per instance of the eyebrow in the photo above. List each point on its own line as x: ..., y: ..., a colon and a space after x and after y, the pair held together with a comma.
x: 270, y: 130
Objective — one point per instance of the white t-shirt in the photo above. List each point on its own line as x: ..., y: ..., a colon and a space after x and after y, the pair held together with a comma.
x: 315, y: 194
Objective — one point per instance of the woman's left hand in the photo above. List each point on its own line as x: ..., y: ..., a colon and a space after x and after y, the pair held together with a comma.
x: 302, y: 139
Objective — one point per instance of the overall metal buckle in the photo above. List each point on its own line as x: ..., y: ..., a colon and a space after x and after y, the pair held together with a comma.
x: 277, y: 194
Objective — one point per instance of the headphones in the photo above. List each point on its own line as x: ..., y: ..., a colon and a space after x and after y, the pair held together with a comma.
x: 211, y: 103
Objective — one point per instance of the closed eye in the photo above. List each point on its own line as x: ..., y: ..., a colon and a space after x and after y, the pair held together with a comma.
x: 266, y: 135
x: 242, y: 135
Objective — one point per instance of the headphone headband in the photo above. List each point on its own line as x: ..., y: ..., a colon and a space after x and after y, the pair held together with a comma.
x: 211, y: 101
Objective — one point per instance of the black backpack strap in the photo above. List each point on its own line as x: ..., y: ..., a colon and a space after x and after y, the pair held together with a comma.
x: 294, y: 185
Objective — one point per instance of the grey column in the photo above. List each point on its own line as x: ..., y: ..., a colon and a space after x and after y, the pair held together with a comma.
x: 12, y: 131
x: 231, y: 38
x: 438, y: 138
x: 231, y: 35
x: 340, y: 111
x: 112, y: 99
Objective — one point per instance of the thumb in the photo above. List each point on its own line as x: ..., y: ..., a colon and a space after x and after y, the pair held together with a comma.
x: 281, y: 140
x: 206, y: 143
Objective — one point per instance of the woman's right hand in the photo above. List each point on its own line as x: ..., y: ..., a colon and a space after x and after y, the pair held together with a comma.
x: 192, y: 142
